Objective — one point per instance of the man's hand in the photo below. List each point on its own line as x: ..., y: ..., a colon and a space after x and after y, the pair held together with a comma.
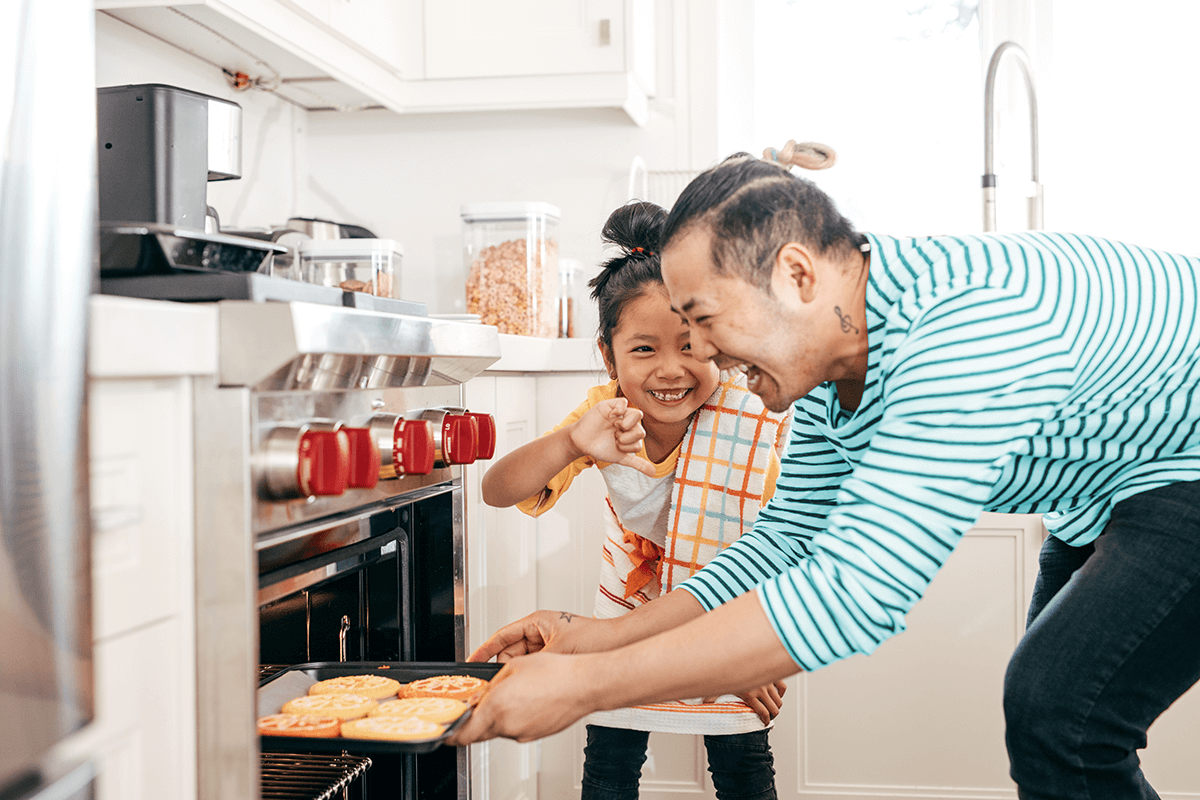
x: 532, y: 697
x: 556, y: 631
x: 611, y: 431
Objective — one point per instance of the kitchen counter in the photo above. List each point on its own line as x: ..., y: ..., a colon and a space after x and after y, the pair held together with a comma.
x: 528, y: 354
x: 129, y: 337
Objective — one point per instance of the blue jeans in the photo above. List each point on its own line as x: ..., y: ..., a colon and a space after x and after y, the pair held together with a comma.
x: 741, y: 764
x: 1113, y: 639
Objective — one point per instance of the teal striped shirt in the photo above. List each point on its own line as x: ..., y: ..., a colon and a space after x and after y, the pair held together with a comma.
x: 1021, y: 373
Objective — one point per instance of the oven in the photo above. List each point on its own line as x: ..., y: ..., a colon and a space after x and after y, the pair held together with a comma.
x: 330, y: 528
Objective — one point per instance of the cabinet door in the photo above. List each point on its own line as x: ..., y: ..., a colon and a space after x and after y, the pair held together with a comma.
x: 483, y: 38
x: 378, y: 28
x: 502, y: 579
x: 317, y: 9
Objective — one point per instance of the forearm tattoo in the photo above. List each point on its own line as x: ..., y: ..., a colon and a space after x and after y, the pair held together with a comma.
x: 847, y: 326
x: 568, y: 616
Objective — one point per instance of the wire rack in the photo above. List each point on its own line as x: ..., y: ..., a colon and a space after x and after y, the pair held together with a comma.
x: 295, y: 776
x: 660, y: 186
x: 267, y: 670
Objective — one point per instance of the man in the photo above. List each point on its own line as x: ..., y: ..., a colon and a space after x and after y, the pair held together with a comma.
x: 933, y: 379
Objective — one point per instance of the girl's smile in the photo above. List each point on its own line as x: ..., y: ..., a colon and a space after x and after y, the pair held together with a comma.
x: 652, y: 361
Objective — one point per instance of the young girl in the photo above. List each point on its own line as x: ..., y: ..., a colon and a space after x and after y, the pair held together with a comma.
x: 687, y: 459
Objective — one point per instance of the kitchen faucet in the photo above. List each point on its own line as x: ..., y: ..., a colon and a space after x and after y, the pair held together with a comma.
x: 989, y: 177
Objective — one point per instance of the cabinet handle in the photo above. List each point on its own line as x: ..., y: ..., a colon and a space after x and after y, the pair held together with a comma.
x: 605, y: 33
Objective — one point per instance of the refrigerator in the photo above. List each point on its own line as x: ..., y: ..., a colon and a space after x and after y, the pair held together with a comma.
x: 47, y: 269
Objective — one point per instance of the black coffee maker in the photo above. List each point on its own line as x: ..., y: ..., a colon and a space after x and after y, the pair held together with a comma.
x: 159, y: 148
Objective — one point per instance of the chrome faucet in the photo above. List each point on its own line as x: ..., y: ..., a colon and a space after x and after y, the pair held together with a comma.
x: 989, y: 176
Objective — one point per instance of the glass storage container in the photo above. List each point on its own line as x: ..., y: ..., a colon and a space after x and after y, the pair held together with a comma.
x: 354, y: 265
x: 511, y: 258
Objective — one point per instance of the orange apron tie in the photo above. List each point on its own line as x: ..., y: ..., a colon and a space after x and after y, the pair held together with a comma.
x: 647, y: 562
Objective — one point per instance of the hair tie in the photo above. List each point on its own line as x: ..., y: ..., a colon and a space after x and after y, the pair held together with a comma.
x: 807, y: 155
x: 641, y: 250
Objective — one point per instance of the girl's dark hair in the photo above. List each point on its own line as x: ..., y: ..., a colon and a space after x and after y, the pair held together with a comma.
x: 753, y: 208
x: 635, y: 228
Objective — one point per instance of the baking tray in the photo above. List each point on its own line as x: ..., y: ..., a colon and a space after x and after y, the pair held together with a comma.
x: 294, y: 681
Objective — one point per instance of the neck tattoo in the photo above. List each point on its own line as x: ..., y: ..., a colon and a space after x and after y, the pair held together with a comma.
x: 847, y: 325
x: 566, y: 615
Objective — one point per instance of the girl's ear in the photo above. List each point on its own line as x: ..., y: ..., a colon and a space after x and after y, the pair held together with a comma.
x: 606, y: 354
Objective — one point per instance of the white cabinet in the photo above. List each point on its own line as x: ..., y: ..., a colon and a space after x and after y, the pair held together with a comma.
x: 143, y: 609
x: 481, y: 55
x: 382, y: 29
x: 502, y: 573
x: 474, y: 39
x: 415, y: 56
x: 142, y: 357
x: 319, y: 54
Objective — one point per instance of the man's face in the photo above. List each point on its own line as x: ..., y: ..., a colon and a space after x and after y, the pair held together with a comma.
x: 736, y: 324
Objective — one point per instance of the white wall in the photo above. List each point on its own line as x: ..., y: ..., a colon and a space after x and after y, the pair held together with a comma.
x: 272, y: 129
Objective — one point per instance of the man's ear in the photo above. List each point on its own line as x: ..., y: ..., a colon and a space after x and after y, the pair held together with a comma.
x: 794, y: 274
x: 606, y: 354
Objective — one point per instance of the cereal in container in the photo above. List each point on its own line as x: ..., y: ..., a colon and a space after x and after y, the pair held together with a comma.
x: 511, y: 255
x: 353, y: 265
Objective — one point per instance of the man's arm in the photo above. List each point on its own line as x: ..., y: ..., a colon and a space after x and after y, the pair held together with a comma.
x: 564, y: 632
x: 728, y: 650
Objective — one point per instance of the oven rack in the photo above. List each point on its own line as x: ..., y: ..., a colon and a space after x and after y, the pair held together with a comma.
x: 267, y: 670
x: 297, y: 776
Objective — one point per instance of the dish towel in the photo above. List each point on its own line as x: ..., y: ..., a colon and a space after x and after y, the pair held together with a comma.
x: 720, y: 477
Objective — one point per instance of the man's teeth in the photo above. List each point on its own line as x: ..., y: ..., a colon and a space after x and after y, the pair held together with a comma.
x: 669, y: 397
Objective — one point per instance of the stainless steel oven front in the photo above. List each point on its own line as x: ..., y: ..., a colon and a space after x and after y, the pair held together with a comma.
x: 330, y: 520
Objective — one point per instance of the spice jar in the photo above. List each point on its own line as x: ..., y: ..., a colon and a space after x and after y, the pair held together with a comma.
x: 353, y: 265
x: 511, y: 256
x: 567, y: 316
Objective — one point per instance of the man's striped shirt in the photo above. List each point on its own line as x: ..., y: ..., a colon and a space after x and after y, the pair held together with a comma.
x: 1020, y: 373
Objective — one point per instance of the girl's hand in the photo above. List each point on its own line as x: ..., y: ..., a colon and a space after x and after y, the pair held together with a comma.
x: 611, y: 431
x: 766, y: 701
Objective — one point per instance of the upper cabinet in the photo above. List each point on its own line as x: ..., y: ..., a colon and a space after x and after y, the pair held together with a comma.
x: 415, y: 56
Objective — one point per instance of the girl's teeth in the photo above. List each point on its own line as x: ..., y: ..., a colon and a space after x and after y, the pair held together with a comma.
x: 744, y: 367
x: 669, y: 396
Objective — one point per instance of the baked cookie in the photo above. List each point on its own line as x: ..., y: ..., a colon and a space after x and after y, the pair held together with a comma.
x: 394, y: 728
x: 342, y: 706
x: 300, y: 725
x: 457, y: 687
x: 375, y: 687
x: 443, y: 710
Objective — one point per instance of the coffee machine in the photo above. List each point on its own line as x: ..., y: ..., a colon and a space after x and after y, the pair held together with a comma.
x: 159, y: 148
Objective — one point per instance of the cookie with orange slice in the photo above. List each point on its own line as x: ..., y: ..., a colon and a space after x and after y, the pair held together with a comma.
x: 401, y: 729
x: 456, y: 687
x: 375, y: 687
x: 342, y: 706
x: 442, y: 710
x: 306, y: 725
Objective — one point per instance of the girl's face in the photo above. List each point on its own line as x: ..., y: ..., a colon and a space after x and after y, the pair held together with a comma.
x: 653, y: 361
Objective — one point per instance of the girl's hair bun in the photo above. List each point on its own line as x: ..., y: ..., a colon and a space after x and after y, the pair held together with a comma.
x: 635, y: 228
